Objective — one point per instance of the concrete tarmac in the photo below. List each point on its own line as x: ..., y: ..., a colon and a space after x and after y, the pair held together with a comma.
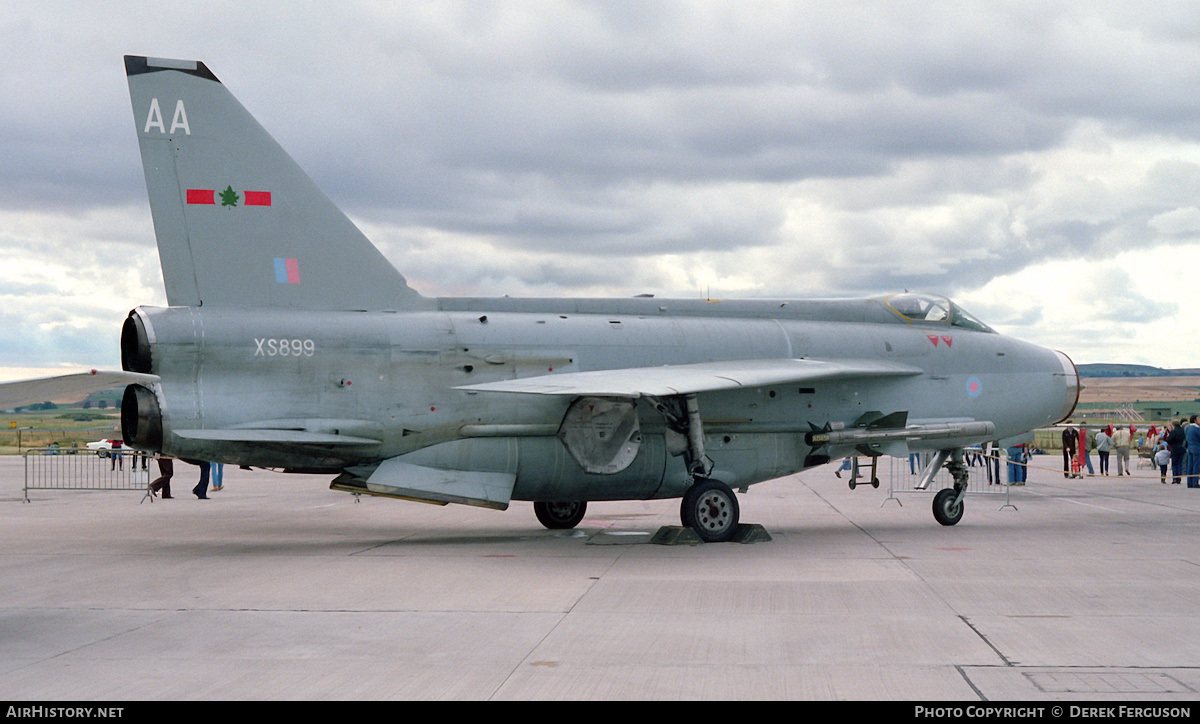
x: 278, y: 588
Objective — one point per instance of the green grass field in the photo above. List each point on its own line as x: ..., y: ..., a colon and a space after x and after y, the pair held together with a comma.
x: 67, y: 427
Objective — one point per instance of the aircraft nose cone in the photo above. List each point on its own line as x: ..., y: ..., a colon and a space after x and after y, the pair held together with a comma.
x: 1071, y: 386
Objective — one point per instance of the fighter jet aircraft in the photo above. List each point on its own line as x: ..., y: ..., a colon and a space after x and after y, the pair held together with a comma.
x: 291, y: 342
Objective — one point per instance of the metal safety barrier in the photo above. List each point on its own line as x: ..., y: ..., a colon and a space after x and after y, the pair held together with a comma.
x: 55, y: 469
x: 987, y: 474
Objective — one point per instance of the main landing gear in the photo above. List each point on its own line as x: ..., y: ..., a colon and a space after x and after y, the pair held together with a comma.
x: 560, y: 515
x: 709, y: 506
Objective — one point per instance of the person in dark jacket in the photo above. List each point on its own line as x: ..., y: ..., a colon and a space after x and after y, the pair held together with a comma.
x: 1191, y: 434
x: 1069, y: 437
x: 1177, y: 444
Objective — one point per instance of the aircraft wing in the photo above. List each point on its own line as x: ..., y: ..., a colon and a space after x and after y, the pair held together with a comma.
x: 30, y: 392
x: 670, y: 380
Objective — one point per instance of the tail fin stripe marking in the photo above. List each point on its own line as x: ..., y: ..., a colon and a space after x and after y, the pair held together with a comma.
x: 201, y: 196
x: 208, y: 197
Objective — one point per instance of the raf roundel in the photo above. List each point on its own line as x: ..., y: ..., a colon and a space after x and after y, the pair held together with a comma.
x: 974, y: 387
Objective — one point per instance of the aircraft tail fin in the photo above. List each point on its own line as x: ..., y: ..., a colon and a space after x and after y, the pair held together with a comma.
x: 238, y: 222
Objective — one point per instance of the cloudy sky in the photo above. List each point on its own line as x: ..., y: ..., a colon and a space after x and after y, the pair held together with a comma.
x: 1039, y: 163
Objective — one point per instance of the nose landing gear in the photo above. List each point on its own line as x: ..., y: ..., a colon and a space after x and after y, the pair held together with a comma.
x: 948, y: 503
x: 947, y: 508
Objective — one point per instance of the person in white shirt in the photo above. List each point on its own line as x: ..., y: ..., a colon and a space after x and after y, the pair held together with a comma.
x: 1121, y: 438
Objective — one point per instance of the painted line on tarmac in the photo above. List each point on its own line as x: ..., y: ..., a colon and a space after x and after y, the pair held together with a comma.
x: 1076, y: 502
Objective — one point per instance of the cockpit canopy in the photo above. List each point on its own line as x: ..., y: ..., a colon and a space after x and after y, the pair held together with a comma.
x: 931, y: 308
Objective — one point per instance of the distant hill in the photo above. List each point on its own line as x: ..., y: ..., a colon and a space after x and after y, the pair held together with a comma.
x: 1119, y: 370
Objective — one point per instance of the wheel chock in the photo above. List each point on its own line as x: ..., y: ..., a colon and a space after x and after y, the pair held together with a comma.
x: 750, y: 533
x: 675, y: 535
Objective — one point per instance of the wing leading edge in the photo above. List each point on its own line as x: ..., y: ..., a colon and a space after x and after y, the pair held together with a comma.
x: 31, y: 392
x: 670, y: 380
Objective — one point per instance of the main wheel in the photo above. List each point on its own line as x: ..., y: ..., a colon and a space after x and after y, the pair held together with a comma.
x: 711, y: 509
x: 560, y: 515
x: 944, y: 509
x: 687, y: 507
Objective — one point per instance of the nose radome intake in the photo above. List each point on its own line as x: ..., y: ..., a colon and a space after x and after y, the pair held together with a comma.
x: 1071, y: 386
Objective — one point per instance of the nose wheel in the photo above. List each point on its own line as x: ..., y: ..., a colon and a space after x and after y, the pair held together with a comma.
x: 947, y: 506
x: 710, y: 508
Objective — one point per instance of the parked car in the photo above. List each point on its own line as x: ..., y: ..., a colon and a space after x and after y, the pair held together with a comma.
x: 104, y: 448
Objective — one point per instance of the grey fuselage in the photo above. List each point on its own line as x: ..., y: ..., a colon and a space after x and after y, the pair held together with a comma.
x: 388, y: 381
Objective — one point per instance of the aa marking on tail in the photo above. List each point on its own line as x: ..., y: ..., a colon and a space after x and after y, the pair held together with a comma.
x: 154, y: 119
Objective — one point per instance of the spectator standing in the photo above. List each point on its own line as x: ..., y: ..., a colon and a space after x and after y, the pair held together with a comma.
x: 1086, y: 440
x: 166, y: 468
x: 1162, y: 457
x: 201, y: 489
x: 1192, y: 436
x: 1017, y: 457
x: 1121, y: 439
x: 1177, y: 443
x: 1103, y: 448
x: 1069, y: 439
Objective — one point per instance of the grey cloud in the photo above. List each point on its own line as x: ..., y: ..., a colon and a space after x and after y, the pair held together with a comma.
x: 1111, y: 296
x: 634, y: 130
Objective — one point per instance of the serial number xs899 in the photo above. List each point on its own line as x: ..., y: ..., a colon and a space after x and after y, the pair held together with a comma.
x: 272, y: 347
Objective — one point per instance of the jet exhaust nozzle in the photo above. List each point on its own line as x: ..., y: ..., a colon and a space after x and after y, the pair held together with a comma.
x: 135, y: 345
x: 141, y: 419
